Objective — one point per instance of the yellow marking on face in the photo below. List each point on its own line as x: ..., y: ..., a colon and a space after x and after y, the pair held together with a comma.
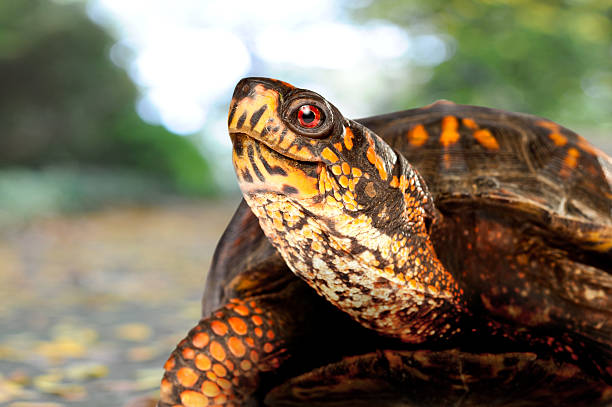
x: 373, y: 158
x: 343, y: 181
x: 449, y: 135
x: 394, y: 182
x: 417, y: 136
x: 338, y: 146
x: 469, y: 123
x: 348, y: 138
x: 486, y: 139
x: 329, y: 155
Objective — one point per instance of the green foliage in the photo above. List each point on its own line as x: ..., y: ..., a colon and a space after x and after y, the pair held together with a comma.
x: 551, y: 58
x: 64, y: 102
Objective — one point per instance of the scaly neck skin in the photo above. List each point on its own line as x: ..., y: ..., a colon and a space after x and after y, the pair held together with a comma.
x: 377, y: 264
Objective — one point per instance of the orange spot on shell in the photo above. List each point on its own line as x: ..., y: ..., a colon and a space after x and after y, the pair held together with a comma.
x: 236, y: 346
x: 238, y: 325
x: 218, y: 327
x: 191, y: 398
x: 570, y: 162
x: 200, y: 340
x: 559, y: 139
x: 188, y: 353
x: 217, y: 351
x: 348, y: 138
x: 486, y: 139
x: 242, y: 310
x: 469, y: 123
x: 210, y: 389
x: 186, y: 377
x: 548, y: 125
x: 329, y: 155
x: 202, y: 362
x: 417, y: 136
x: 449, y: 135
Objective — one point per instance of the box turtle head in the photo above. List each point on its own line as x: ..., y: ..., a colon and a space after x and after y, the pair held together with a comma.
x: 347, y: 213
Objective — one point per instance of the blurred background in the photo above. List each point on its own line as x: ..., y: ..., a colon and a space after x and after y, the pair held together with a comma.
x: 115, y: 166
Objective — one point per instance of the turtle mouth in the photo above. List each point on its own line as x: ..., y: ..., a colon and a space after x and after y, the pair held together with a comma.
x: 260, y: 168
x: 238, y: 141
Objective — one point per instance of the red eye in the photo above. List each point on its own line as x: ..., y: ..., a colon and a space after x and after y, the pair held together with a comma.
x: 309, y: 116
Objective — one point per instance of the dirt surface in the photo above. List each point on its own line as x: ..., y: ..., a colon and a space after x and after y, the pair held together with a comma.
x: 91, y: 305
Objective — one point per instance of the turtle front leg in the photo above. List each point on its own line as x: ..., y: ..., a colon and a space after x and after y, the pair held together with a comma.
x: 220, y: 360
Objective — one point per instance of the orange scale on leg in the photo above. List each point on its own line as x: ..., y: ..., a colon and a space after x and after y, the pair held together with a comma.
x: 257, y: 320
x: 169, y: 363
x: 229, y: 364
x: 270, y: 334
x: 202, y: 362
x: 219, y: 370
x: 188, y: 353
x: 217, y: 351
x: 219, y: 327
x: 236, y: 346
x: 211, y: 375
x: 200, y: 340
x: 165, y: 391
x: 250, y: 341
x: 242, y: 310
x: 258, y: 331
x: 254, y: 356
x: 186, y: 377
x: 238, y: 325
x: 224, y: 384
x: 246, y: 365
x: 210, y: 389
x: 191, y: 398
x: 268, y: 347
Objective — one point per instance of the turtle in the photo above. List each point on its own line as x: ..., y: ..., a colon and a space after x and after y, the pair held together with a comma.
x: 443, y: 255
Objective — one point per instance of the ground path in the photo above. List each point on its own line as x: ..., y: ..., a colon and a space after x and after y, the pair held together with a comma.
x: 91, y: 304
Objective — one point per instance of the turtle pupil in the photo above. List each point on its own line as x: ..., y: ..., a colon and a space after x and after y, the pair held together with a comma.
x: 307, y: 115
